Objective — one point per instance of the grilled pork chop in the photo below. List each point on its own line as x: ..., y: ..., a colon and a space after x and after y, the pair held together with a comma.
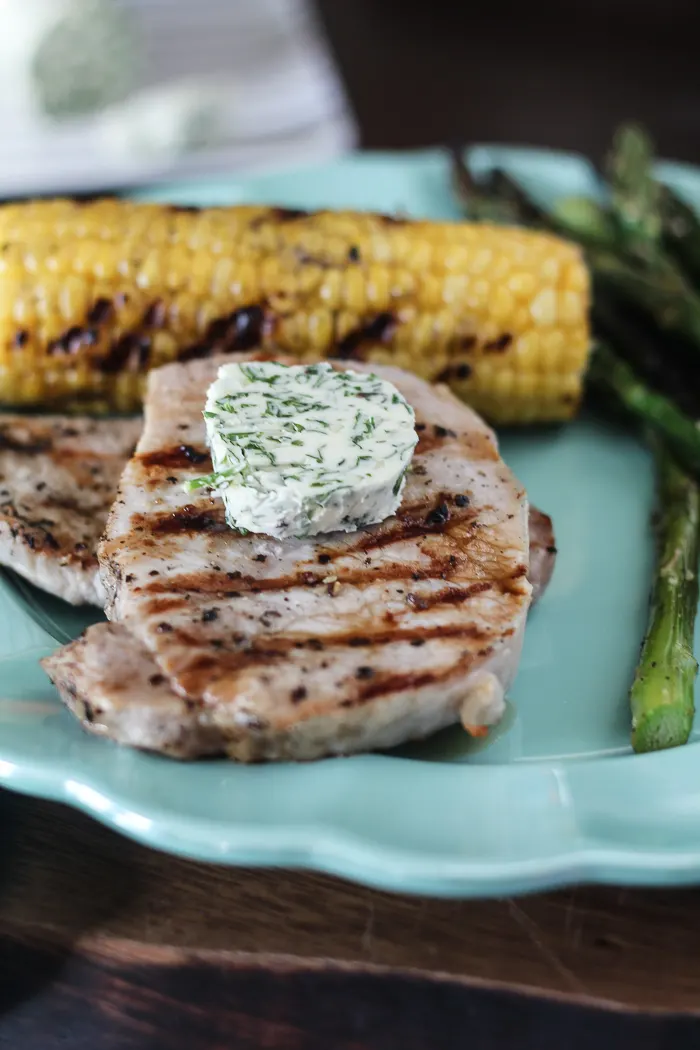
x: 267, y: 649
x: 58, y: 478
x: 115, y: 687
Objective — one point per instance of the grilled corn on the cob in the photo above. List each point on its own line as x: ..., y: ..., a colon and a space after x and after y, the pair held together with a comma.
x: 93, y: 295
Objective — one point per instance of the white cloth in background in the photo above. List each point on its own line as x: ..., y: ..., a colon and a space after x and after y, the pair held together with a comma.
x: 218, y: 85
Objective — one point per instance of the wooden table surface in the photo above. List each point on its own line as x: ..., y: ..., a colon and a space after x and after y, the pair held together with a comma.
x: 104, y: 943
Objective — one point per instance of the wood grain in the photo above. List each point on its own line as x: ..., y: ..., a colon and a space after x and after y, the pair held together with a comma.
x: 64, y: 878
x: 169, y: 998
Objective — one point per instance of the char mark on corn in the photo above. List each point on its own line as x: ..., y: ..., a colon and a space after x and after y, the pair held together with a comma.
x: 94, y: 295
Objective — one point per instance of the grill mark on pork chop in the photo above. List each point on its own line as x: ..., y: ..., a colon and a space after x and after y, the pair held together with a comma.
x: 432, y: 437
x: 518, y: 574
x: 457, y: 595
x: 249, y: 653
x: 159, y: 606
x: 276, y: 650
x: 407, y: 526
x: 420, y: 519
x: 415, y: 602
x: 27, y: 528
x: 276, y: 645
x: 366, y: 687
x: 441, y: 567
x: 8, y: 443
x: 189, y: 518
x: 410, y: 520
x: 179, y: 457
x: 397, y: 683
x: 450, y: 596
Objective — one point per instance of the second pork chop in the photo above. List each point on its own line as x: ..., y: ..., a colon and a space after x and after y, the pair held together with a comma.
x: 58, y: 479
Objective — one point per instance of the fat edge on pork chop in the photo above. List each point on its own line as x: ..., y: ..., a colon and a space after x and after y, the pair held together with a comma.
x: 269, y: 650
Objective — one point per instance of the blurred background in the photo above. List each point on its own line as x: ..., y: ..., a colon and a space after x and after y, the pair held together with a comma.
x: 103, y: 94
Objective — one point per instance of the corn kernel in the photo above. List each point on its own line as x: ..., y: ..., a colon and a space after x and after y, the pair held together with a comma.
x: 446, y: 288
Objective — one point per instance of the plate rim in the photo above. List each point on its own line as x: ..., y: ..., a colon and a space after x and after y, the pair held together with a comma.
x: 317, y: 847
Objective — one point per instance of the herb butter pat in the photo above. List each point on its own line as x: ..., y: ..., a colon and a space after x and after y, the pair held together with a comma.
x: 303, y: 449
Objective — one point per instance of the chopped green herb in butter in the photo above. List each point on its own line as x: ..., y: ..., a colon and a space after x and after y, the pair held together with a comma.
x: 304, y: 449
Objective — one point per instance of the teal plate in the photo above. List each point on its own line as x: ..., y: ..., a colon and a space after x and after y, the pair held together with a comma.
x: 554, y: 797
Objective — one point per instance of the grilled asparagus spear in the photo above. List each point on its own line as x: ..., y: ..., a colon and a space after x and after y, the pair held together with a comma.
x: 629, y: 265
x: 662, y: 694
x: 637, y: 205
x: 620, y: 385
x: 681, y: 230
x: 635, y: 195
x: 615, y: 257
x: 653, y: 216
